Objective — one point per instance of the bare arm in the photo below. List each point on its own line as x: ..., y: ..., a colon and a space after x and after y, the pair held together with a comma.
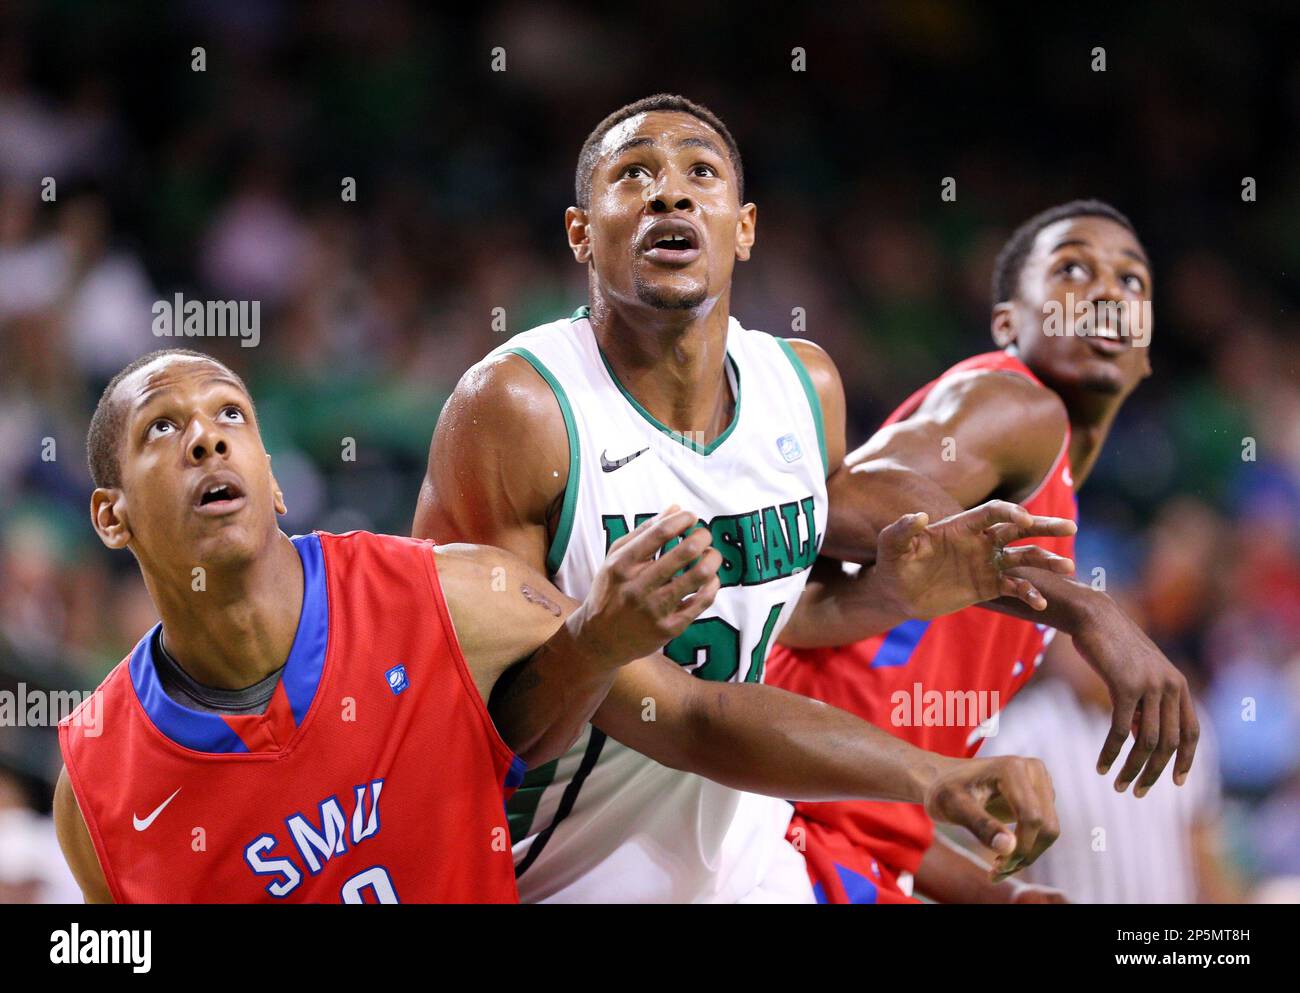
x: 75, y: 841
x: 765, y: 740
x: 912, y: 567
x: 992, y: 433
x: 543, y: 661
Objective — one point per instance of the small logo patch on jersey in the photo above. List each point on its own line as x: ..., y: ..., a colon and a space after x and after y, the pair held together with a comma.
x: 610, y: 465
x: 788, y: 446
x: 396, y: 677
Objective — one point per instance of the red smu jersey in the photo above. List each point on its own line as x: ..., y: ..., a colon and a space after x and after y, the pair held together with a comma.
x: 375, y: 774
x: 932, y: 683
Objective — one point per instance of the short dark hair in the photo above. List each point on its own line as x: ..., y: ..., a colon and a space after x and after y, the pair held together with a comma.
x: 1011, y: 260
x: 104, y: 437
x: 661, y: 102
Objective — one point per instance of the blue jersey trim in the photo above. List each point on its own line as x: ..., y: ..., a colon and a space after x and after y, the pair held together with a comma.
x: 899, y: 644
x: 306, y: 662
x: 204, y: 732
x: 515, y: 774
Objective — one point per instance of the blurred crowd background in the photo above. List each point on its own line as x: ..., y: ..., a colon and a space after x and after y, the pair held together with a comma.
x: 226, y: 183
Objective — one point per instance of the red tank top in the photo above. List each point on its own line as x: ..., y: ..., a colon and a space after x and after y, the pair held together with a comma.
x: 932, y: 683
x: 374, y: 776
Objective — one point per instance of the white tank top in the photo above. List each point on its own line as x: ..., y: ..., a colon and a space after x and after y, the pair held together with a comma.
x: 604, y: 823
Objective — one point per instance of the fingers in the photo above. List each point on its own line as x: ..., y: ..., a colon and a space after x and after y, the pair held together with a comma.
x: 1021, y: 589
x: 705, y: 564
x: 1191, y: 734
x: 1123, y: 706
x: 677, y: 558
x: 696, y: 605
x: 984, y: 516
x: 1169, y: 730
x: 896, y: 539
x: 1031, y: 556
x: 1026, y: 788
x: 1148, y: 737
x: 964, y: 810
x: 644, y: 541
x: 1035, y: 527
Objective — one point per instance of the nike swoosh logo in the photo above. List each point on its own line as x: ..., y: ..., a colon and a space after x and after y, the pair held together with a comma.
x: 609, y: 466
x: 141, y: 825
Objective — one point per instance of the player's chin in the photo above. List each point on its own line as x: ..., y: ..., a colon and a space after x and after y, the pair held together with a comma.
x: 225, y: 542
x: 671, y: 290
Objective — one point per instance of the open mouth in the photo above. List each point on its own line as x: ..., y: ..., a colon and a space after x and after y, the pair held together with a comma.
x: 672, y: 242
x: 219, y: 496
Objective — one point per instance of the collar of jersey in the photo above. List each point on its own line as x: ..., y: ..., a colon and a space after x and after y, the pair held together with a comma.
x: 204, y: 732
x: 584, y: 313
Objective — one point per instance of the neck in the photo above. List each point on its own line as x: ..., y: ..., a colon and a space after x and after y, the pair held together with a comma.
x: 239, y: 629
x: 1091, y: 416
x: 672, y: 361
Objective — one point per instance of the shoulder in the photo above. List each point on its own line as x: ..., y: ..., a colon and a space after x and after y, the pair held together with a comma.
x: 821, y: 370
x: 1001, y: 395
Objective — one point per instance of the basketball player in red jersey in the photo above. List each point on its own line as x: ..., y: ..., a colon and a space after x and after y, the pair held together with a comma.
x: 309, y: 720
x: 1025, y: 423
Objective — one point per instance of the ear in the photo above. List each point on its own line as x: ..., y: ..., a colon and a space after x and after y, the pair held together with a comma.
x: 1003, y: 324
x: 108, y: 516
x: 277, y: 496
x: 745, y: 231
x: 575, y: 226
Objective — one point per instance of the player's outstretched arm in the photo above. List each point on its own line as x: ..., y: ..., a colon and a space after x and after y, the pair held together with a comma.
x: 974, y: 436
x: 74, y: 839
x: 764, y: 740
x: 925, y: 569
x: 544, y: 662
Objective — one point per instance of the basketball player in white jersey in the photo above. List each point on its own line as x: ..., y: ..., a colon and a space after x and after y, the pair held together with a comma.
x: 568, y: 436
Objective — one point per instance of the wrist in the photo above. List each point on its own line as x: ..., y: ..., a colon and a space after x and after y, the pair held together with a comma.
x: 580, y: 640
x: 1089, y: 615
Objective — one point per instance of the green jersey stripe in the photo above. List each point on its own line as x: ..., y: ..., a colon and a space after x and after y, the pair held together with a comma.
x: 560, y: 543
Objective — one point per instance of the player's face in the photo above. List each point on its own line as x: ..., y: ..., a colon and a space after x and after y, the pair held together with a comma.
x: 197, y: 488
x: 665, y: 225
x: 1082, y: 316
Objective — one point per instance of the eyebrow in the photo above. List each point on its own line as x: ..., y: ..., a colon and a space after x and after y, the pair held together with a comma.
x: 1136, y: 256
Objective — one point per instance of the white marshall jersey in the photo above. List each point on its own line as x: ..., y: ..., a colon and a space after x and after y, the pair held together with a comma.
x: 604, y: 823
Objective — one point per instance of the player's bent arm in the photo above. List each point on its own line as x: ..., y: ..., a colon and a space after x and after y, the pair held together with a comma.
x: 74, y: 839
x: 498, y: 462
x: 839, y: 606
x: 541, y: 683
x: 975, y: 436
x: 764, y: 740
x: 565, y: 654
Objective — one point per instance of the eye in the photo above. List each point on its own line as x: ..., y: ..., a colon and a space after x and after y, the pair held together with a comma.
x: 1074, y: 270
x: 233, y: 413
x: 1135, y: 283
x: 159, y: 428
x: 702, y: 169
x: 634, y: 172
